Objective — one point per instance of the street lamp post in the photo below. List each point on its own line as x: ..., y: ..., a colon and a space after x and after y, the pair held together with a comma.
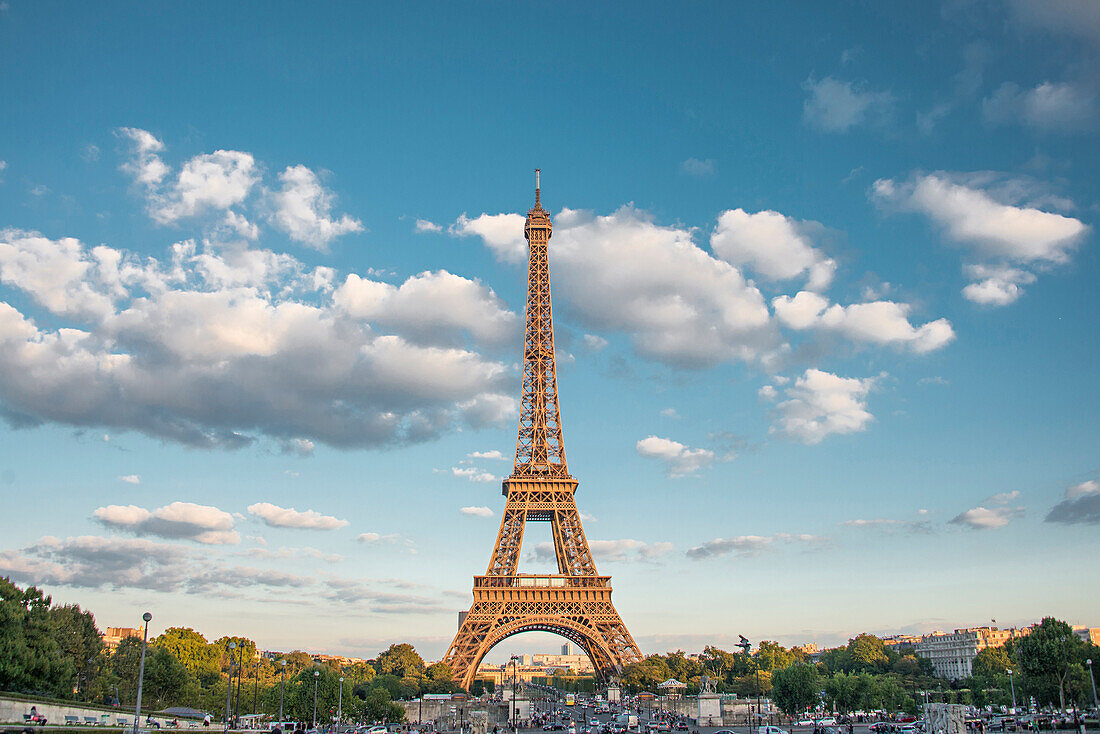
x: 1012, y: 684
x: 515, y: 673
x: 229, y: 686
x: 141, y: 669
x: 316, y: 675
x: 282, y: 686
x: 1095, y: 702
x: 340, y: 704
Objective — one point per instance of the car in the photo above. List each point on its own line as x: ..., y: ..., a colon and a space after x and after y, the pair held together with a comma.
x: 652, y: 726
x: 771, y: 730
x: 664, y: 726
x: 593, y: 722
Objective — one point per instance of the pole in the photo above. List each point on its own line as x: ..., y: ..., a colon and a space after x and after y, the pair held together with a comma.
x: 1012, y: 684
x: 282, y: 686
x: 340, y: 704
x: 237, y: 696
x: 316, y: 674
x: 1095, y: 703
x: 141, y: 670
x: 229, y: 686
x: 255, y: 685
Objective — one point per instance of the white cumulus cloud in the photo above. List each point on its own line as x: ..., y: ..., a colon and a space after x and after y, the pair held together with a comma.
x: 501, y: 233
x: 213, y: 347
x: 1001, y: 232
x: 473, y: 474
x: 476, y: 511
x: 986, y: 518
x: 303, y: 209
x: 819, y: 404
x: 772, y: 245
x: 288, y: 517
x: 130, y: 479
x: 434, y: 307
x: 182, y: 520
x: 679, y: 460
x: 875, y: 322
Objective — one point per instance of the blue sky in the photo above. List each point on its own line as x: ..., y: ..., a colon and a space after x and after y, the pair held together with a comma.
x: 824, y: 281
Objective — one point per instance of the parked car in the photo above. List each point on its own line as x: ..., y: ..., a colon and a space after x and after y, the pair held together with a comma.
x: 771, y: 730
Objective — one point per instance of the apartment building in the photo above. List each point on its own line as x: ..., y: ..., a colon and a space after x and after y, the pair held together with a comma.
x: 952, y: 653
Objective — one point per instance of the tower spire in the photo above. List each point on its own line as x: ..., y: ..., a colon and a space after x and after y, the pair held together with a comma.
x: 540, y: 450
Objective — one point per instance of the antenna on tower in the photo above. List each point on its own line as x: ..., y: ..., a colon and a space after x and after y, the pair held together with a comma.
x: 536, y: 187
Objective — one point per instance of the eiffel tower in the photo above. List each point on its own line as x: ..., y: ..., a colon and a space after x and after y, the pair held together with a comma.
x: 574, y: 603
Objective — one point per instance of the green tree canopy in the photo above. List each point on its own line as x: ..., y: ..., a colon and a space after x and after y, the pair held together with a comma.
x: 401, y: 660
x: 772, y: 656
x: 201, y: 658
x: 1044, y: 658
x: 34, y: 657
x: 867, y: 652
x: 794, y: 688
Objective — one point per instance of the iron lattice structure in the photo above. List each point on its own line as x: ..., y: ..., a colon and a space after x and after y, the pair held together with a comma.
x: 576, y: 601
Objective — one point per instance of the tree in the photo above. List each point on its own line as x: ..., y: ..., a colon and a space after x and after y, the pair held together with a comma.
x: 794, y: 688
x: 401, y: 660
x: 1044, y: 657
x: 80, y: 643
x: 840, y: 692
x: 867, y: 652
x: 991, y: 662
x: 717, y: 663
x: 772, y: 656
x: 379, y: 707
x: 202, y: 659
x: 31, y: 658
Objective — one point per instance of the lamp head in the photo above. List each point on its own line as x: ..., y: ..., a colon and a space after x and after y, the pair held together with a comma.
x: 282, y: 663
x: 147, y: 616
x: 316, y: 673
x: 232, y: 645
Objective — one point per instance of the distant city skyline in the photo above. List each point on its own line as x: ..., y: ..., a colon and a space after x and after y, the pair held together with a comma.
x: 824, y: 280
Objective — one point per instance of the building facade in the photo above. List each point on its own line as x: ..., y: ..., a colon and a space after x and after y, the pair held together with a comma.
x: 114, y: 635
x: 952, y: 653
x: 1087, y: 634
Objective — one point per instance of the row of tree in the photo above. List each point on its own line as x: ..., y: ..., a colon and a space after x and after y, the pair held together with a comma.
x: 56, y: 651
x: 1049, y: 666
x: 750, y: 674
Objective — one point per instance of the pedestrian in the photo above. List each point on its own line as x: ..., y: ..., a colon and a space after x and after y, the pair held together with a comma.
x: 206, y: 721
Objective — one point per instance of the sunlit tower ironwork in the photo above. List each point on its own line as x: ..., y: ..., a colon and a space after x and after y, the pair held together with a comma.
x: 576, y: 601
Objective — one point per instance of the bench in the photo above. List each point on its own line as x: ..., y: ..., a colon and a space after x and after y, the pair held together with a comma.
x: 28, y: 719
x: 72, y: 719
x: 91, y: 720
x: 122, y: 722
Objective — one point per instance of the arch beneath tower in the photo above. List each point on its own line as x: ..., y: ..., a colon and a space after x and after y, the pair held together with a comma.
x: 589, y: 640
